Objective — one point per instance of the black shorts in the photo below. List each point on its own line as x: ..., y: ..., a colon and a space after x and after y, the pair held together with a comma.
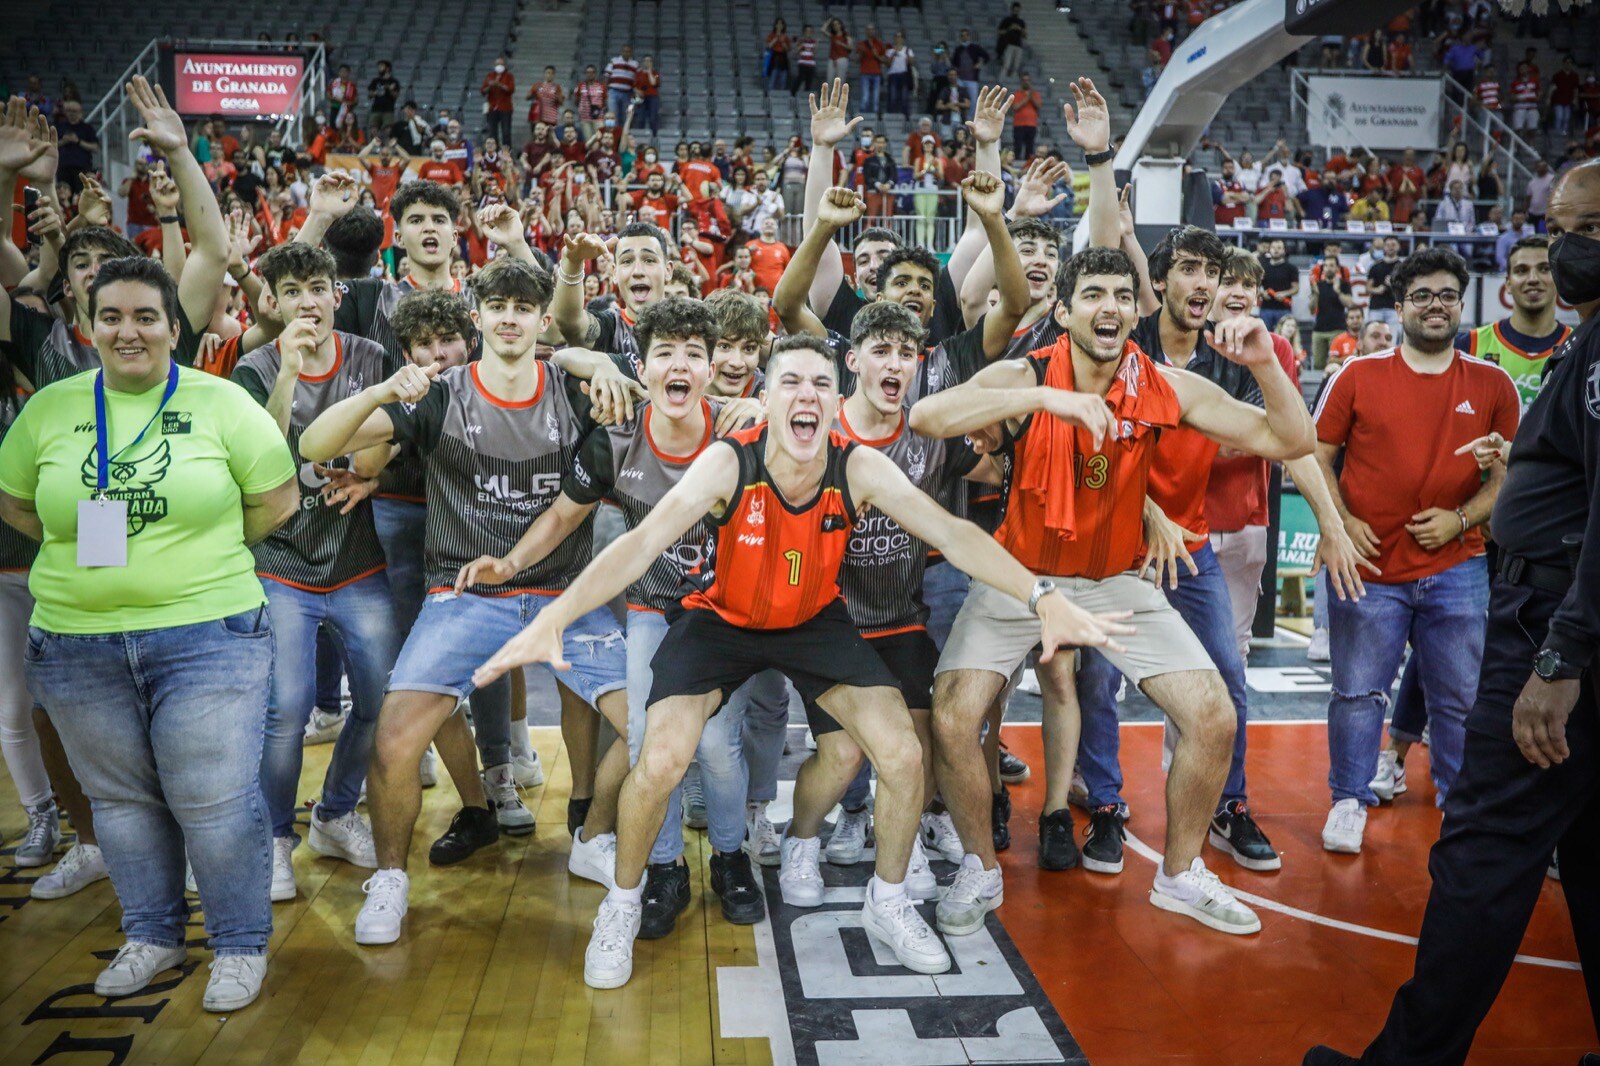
x: 703, y: 653
x: 911, y: 656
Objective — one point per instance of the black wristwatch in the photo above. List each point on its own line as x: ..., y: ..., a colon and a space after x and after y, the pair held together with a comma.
x: 1094, y: 159
x: 1549, y: 666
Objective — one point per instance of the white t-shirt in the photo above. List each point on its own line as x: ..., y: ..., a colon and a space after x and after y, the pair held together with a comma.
x: 898, y: 58
x: 1249, y: 177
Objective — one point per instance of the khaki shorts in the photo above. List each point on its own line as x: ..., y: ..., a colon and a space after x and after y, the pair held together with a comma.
x: 995, y: 632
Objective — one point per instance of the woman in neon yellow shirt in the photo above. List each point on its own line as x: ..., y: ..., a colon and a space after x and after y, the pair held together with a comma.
x: 149, y: 646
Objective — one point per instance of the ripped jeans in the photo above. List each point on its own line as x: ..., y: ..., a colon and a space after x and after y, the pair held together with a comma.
x: 1444, y: 615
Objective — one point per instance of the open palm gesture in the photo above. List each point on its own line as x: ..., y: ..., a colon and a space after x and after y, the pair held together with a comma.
x: 162, y: 129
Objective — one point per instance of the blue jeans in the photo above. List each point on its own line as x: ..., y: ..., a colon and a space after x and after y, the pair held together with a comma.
x: 163, y: 729
x: 944, y: 590
x: 899, y: 94
x: 1271, y: 316
x: 1444, y: 616
x: 1410, y: 716
x: 617, y: 101
x: 360, y: 618
x: 330, y: 671
x: 649, y: 117
x: 969, y: 89
x: 401, y: 527
x: 870, y: 84
x: 777, y: 71
x: 762, y: 704
x: 1202, y: 600
x: 720, y: 754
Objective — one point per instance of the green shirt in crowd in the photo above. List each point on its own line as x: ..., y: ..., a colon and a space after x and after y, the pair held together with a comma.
x: 183, y: 482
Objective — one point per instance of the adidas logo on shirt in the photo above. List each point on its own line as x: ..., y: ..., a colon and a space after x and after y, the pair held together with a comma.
x: 1465, y: 408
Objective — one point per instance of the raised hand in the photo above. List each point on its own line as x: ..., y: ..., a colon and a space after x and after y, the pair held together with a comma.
x: 840, y: 207
x: 19, y: 146
x: 830, y: 114
x: 296, y: 344
x: 162, y: 129
x: 1033, y: 199
x: 579, y: 248
x: 408, y: 384
x: 1125, y: 211
x: 501, y: 224
x: 93, y: 203
x: 42, y: 171
x: 1090, y: 127
x: 984, y: 193
x: 989, y: 116
x: 163, y: 193
x: 241, y: 242
x: 334, y: 194
x: 45, y: 223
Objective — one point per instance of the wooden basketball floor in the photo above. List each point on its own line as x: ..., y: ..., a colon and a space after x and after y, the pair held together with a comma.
x: 1075, y: 967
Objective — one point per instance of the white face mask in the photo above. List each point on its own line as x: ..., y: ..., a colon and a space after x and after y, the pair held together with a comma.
x: 499, y: 68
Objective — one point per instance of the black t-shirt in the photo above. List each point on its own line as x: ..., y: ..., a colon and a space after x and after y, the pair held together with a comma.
x: 246, y: 185
x: 947, y: 317
x: 1379, y: 275
x: 1330, y: 311
x: 1278, y: 277
x: 1011, y: 28
x: 383, y: 92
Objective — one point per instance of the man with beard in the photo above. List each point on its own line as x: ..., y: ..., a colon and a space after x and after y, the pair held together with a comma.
x: 1528, y: 777
x: 1413, y: 506
x: 1074, y: 511
x: 644, y: 259
x: 1521, y: 342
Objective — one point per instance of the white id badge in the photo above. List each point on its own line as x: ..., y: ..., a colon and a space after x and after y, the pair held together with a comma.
x: 102, y: 532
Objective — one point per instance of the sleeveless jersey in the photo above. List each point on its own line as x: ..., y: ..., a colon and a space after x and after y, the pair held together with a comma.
x: 318, y: 549
x: 772, y: 565
x: 1110, y: 490
x: 621, y: 465
x: 617, y: 337
x: 45, y: 349
x: 883, y: 564
x: 1526, y: 368
x: 492, y: 467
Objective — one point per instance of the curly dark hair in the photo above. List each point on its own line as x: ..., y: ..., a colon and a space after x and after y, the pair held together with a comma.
x: 1427, y: 261
x: 430, y: 193
x: 883, y: 318
x: 428, y: 315
x: 1191, y: 239
x: 675, y: 318
x: 1112, y: 261
x: 302, y: 262
x: 919, y: 257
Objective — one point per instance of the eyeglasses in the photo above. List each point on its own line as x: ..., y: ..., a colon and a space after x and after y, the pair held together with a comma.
x: 1422, y: 298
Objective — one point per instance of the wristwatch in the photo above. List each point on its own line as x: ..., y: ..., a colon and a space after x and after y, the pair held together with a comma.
x: 1041, y: 588
x: 1094, y: 159
x: 1549, y: 666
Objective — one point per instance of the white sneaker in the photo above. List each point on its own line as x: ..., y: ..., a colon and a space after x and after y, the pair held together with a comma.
x: 920, y: 882
x: 1078, y: 790
x: 79, y: 868
x: 811, y: 741
x: 500, y: 789
x: 939, y: 836
x: 38, y: 845
x: 801, y: 878
x: 1383, y: 781
x: 1347, y: 823
x: 974, y: 893
x: 849, y: 838
x: 235, y: 982
x: 188, y: 877
x: 608, y: 962
x: 429, y: 768
x: 1399, y: 777
x: 135, y: 965
x: 897, y: 923
x: 760, y: 837
x: 528, y: 771
x: 388, y: 899
x: 323, y: 727
x: 283, y: 886
x: 1197, y: 893
x: 346, y: 837
x: 1030, y: 685
x: 1317, y: 652
x: 594, y: 859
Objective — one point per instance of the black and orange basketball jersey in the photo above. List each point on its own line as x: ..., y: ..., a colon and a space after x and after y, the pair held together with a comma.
x: 771, y: 565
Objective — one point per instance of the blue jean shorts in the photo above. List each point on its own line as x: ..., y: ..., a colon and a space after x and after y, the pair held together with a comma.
x: 454, y: 635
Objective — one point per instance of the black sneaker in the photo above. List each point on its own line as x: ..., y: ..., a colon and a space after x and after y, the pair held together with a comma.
x: 1000, y: 818
x: 1058, y: 848
x: 1322, y: 1055
x: 666, y: 895
x: 1235, y: 832
x: 577, y: 812
x: 1013, y: 771
x: 472, y: 828
x: 1102, y: 847
x: 734, y: 882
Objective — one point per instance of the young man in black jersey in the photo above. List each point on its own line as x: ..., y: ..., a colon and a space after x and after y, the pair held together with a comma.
x: 643, y: 263
x: 324, y: 567
x: 729, y: 628
x: 633, y: 465
x: 497, y: 437
x: 881, y: 581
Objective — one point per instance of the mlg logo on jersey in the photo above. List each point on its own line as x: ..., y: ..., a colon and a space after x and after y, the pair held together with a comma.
x: 845, y: 998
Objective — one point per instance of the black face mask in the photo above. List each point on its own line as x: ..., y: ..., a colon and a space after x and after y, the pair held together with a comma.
x: 1575, y: 263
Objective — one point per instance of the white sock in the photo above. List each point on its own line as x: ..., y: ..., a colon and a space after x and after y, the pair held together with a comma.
x: 520, y: 744
x: 971, y: 861
x: 883, y: 891
x: 634, y: 895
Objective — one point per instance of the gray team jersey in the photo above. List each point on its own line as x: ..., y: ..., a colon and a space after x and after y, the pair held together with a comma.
x: 367, y: 310
x: 318, y: 549
x: 882, y: 573
x: 492, y: 468
x: 1042, y: 334
x: 621, y: 465
x: 45, y: 349
x: 943, y: 366
x: 617, y: 336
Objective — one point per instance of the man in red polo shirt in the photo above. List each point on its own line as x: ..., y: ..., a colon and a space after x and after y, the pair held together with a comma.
x: 1413, y: 507
x: 1025, y: 104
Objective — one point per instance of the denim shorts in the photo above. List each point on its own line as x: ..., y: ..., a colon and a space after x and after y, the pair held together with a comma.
x: 454, y: 635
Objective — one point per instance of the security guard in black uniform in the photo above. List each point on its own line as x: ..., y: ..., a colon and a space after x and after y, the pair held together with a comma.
x: 1530, y: 780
